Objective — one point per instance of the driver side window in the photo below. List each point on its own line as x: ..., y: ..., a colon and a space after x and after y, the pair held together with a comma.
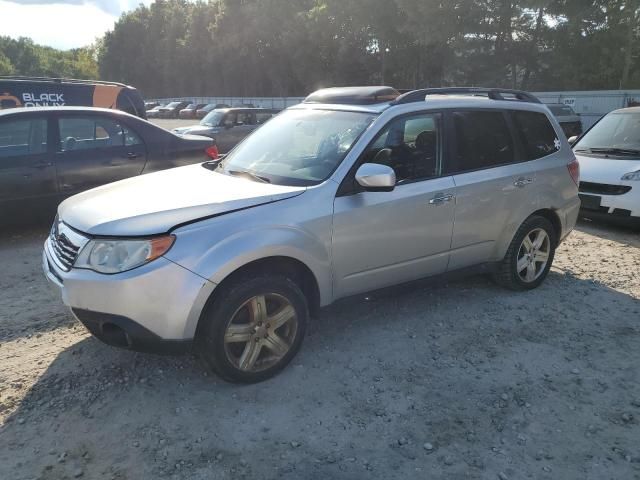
x: 415, y: 147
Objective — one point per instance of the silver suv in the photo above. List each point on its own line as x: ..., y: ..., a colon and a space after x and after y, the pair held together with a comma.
x: 353, y: 190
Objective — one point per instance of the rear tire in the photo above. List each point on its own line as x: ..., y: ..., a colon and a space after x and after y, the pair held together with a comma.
x: 529, y: 257
x: 253, y: 328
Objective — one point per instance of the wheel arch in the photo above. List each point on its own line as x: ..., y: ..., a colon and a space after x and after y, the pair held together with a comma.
x: 291, y: 267
x: 553, y: 217
x: 512, y: 229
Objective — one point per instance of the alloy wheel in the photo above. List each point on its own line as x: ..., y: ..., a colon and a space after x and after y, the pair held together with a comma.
x: 261, y: 332
x: 533, y: 255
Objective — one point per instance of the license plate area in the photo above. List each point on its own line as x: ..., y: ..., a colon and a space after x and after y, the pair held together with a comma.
x: 591, y: 202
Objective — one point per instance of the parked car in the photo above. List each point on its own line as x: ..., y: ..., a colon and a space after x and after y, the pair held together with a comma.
x: 567, y: 118
x: 190, y: 110
x: 171, y: 110
x: 153, y: 113
x: 353, y: 190
x: 50, y: 153
x: 150, y: 105
x: 609, y: 155
x: 229, y: 126
x: 204, y: 111
x: 18, y: 92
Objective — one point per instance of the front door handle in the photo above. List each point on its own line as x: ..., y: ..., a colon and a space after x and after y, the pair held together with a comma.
x: 132, y: 155
x: 441, y: 199
x: 523, y: 182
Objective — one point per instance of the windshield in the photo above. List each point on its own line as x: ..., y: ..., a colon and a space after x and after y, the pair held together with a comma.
x: 173, y: 105
x: 561, y: 110
x: 615, y: 131
x: 212, y: 119
x: 298, y: 147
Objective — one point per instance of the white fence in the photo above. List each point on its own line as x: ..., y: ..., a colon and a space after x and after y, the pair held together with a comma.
x: 264, y: 102
x: 590, y: 105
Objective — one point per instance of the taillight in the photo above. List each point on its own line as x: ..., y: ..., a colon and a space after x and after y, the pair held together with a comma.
x: 574, y: 170
x: 212, y: 152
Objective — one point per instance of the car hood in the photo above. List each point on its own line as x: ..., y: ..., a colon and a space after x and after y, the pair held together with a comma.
x: 194, y: 130
x: 606, y: 170
x: 154, y: 203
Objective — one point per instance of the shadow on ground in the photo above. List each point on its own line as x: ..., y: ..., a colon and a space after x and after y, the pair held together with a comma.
x: 458, y: 381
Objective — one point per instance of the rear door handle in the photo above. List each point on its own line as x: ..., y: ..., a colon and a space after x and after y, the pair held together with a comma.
x: 523, y: 182
x: 132, y: 155
x: 42, y: 165
x: 441, y: 199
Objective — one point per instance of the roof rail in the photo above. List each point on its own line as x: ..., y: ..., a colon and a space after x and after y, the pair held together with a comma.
x: 60, y: 80
x: 492, y: 93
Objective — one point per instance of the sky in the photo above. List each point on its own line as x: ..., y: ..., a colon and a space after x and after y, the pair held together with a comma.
x: 63, y: 24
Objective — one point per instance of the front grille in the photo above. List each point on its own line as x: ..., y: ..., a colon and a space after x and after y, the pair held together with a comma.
x: 603, y: 188
x: 65, y: 244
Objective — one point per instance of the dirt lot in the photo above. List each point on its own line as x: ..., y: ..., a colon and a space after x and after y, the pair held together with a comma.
x: 454, y: 381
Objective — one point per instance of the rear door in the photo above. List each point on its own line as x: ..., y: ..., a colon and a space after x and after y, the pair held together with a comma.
x: 495, y: 185
x: 92, y: 150
x: 27, y: 171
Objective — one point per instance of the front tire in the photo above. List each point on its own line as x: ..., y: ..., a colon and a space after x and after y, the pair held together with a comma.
x: 529, y: 257
x: 253, y: 328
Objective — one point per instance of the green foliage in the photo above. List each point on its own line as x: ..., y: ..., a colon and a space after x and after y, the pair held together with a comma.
x: 291, y: 47
x: 23, y: 57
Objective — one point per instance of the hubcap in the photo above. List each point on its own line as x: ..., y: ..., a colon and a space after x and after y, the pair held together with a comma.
x: 533, y: 255
x: 261, y: 332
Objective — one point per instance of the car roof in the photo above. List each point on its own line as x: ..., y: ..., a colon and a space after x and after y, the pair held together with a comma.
x: 12, y: 111
x: 432, y: 102
x: 627, y: 110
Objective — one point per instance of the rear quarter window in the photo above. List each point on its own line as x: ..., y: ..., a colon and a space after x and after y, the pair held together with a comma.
x: 538, y: 136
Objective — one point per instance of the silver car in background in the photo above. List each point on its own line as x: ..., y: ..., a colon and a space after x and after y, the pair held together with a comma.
x: 353, y: 190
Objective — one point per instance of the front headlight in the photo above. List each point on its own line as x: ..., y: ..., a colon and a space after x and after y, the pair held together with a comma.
x: 631, y: 176
x: 116, y: 256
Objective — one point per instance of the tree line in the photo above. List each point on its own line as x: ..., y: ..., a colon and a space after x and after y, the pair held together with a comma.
x: 23, y: 57
x: 291, y: 47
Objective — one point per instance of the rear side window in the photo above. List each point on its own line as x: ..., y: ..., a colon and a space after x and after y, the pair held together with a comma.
x: 483, y: 140
x: 263, y: 118
x: 23, y: 137
x: 538, y: 136
x: 85, y: 133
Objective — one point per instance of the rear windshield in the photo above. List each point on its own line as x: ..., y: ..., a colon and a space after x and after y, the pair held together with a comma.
x: 561, y: 110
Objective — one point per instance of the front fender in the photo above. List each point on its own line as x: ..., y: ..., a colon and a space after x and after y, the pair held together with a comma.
x: 216, y: 260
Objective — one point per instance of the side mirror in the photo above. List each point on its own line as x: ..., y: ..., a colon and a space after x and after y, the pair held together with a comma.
x: 573, y: 140
x: 374, y: 177
x: 228, y: 123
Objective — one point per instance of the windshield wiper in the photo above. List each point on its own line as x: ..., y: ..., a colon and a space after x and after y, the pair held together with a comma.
x: 611, y: 150
x: 251, y: 175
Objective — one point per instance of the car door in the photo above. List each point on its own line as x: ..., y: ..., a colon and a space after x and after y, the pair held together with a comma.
x: 386, y: 238
x: 93, y: 150
x: 225, y: 138
x: 27, y: 172
x: 495, y: 188
x: 245, y: 124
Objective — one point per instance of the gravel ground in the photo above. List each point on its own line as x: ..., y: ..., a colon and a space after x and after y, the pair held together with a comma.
x: 463, y: 380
